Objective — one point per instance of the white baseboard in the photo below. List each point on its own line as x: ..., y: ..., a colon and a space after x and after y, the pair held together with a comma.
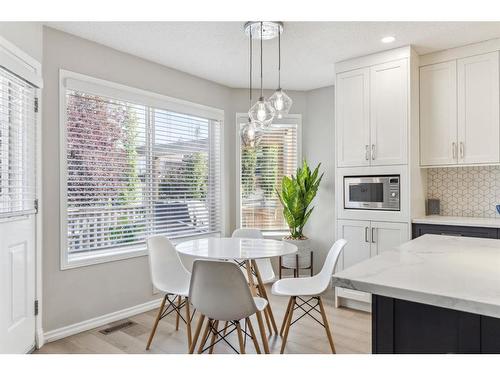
x: 73, y: 329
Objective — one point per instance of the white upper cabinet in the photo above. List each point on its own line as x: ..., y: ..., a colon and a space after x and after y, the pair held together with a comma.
x: 353, y: 127
x: 372, y: 115
x: 478, y: 109
x: 438, y: 114
x: 389, y: 113
x: 459, y: 111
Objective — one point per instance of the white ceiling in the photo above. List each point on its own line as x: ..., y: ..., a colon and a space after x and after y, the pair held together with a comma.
x: 218, y: 51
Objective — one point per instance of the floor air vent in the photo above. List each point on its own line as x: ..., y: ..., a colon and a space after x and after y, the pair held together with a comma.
x: 117, y: 327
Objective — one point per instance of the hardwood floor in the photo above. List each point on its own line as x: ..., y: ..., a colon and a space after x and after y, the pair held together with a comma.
x: 351, y: 334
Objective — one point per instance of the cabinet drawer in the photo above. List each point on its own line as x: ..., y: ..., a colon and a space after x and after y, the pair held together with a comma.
x: 452, y: 230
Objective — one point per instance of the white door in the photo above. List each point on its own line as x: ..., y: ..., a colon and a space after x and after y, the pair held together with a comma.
x: 386, y: 236
x: 357, y: 235
x: 389, y: 113
x: 352, y: 118
x: 17, y: 214
x: 438, y: 114
x: 478, y: 106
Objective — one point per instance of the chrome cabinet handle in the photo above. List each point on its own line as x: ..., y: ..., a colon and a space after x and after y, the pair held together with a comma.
x: 462, y: 150
x: 373, y: 234
x: 366, y: 234
x: 373, y: 152
x: 454, y: 150
x: 367, y: 151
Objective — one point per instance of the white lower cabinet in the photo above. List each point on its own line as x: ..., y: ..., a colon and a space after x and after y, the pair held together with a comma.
x: 365, y: 239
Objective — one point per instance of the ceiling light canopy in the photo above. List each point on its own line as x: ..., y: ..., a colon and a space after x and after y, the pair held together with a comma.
x: 388, y: 39
x: 270, y: 29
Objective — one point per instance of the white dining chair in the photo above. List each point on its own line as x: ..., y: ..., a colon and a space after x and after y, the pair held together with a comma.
x: 265, y: 267
x: 220, y: 292
x: 266, y: 272
x: 170, y: 277
x: 308, y: 290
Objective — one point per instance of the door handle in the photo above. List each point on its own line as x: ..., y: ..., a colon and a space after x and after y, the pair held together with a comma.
x: 366, y: 234
x: 373, y: 152
x: 367, y: 152
x: 462, y: 150
x: 454, y: 150
x: 373, y: 234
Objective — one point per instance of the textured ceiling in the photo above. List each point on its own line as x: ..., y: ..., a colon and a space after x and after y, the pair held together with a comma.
x: 218, y: 51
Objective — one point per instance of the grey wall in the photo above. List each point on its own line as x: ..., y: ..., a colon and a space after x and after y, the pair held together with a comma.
x: 79, y: 294
x: 25, y: 35
x: 318, y: 147
x: 75, y: 295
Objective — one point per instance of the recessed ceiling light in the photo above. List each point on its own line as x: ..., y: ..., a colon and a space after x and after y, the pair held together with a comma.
x: 388, y: 39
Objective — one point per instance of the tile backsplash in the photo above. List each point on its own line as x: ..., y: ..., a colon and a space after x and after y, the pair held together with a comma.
x: 465, y: 191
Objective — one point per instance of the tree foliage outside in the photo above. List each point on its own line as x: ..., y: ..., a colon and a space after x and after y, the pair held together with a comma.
x: 259, y: 166
x: 185, y: 180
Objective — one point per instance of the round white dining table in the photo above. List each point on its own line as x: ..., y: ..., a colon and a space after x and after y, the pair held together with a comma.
x: 235, y: 248
x: 245, y: 251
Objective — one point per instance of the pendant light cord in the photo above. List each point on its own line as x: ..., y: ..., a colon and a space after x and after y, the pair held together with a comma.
x: 251, y: 63
x: 279, y: 57
x: 261, y: 89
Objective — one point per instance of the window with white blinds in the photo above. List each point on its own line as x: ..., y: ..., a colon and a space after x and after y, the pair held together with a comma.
x: 17, y: 145
x: 134, y: 170
x: 262, y: 168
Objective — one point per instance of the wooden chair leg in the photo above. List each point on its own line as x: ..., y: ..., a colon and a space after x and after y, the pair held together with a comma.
x: 240, y: 338
x: 179, y: 300
x: 285, y: 317
x: 254, y: 338
x: 188, y: 322
x: 268, y: 321
x: 205, y: 336
x: 214, y: 336
x: 225, y: 329
x: 262, y: 330
x: 287, y: 327
x: 155, y: 325
x: 197, y: 333
x: 327, y: 326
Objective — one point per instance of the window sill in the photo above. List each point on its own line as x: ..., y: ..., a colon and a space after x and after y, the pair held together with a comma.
x: 112, y: 255
x: 103, y: 256
x: 275, y: 235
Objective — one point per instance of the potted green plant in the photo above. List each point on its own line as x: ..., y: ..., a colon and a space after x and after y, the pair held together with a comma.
x: 296, y: 195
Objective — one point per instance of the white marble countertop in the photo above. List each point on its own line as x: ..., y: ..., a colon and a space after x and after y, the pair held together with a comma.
x: 485, y: 222
x: 459, y: 273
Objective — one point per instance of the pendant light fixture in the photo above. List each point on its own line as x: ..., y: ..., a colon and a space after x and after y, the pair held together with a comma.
x: 262, y: 112
x: 250, y: 132
x: 280, y: 101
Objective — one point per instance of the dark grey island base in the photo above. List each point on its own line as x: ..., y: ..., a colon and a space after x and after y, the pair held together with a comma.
x: 404, y: 327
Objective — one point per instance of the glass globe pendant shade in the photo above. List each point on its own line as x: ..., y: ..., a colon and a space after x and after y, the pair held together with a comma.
x: 262, y: 112
x: 281, y: 103
x: 250, y: 134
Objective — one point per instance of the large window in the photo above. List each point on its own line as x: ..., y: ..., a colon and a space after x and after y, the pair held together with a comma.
x: 261, y: 169
x: 135, y: 167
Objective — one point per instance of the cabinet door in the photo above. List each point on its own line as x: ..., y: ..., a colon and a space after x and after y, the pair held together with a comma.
x: 357, y: 235
x: 389, y: 113
x: 478, y: 106
x: 438, y: 114
x: 352, y: 118
x: 386, y: 236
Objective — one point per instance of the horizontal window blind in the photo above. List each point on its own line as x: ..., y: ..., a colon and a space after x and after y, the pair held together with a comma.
x: 134, y: 171
x: 262, y: 169
x: 17, y: 145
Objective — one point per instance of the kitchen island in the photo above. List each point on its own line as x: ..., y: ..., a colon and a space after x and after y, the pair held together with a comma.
x: 434, y: 294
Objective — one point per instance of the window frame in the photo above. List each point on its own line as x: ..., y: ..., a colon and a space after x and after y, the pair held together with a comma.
x: 72, y: 80
x: 240, y: 118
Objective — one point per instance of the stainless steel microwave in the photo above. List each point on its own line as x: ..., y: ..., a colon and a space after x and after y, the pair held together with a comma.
x: 372, y: 192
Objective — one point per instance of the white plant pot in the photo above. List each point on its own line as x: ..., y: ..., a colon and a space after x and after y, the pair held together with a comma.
x: 304, y: 252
